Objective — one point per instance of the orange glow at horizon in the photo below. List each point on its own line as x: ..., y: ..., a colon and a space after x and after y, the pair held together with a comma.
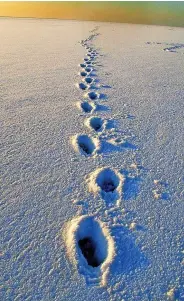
x: 126, y: 12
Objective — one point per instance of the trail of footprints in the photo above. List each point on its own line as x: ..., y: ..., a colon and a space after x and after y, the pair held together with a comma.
x: 89, y: 242
x: 171, y: 47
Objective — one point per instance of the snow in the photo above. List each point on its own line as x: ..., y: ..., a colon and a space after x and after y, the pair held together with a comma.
x: 53, y: 195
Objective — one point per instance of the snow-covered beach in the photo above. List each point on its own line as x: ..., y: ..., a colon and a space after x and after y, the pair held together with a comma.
x: 92, y: 146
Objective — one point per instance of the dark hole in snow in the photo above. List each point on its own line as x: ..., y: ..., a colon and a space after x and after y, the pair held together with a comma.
x: 88, y: 80
x: 82, y: 86
x: 86, y: 144
x: 83, y: 73
x: 118, y: 140
x: 92, y: 241
x: 88, y: 69
x: 87, y: 247
x: 108, y: 186
x: 96, y: 123
x: 92, y: 95
x: 83, y: 65
x: 86, y: 107
x: 84, y: 148
x: 107, y: 180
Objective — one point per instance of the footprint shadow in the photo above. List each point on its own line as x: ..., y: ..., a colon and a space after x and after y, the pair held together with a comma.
x: 131, y: 187
x: 108, y: 147
x: 128, y: 256
x: 106, y: 86
x: 103, y: 108
x: 93, y: 74
x: 102, y: 96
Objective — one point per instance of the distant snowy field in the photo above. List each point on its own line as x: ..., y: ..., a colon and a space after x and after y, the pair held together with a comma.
x: 92, y: 151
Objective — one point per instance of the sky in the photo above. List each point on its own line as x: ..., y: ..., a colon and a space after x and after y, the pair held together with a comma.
x: 156, y: 12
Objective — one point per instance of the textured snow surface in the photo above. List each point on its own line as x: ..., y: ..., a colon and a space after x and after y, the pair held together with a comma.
x: 92, y: 148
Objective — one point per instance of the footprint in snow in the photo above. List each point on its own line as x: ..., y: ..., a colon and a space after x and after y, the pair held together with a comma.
x: 88, y: 69
x: 90, y: 66
x: 90, y: 246
x: 95, y: 123
x: 92, y: 57
x: 82, y: 86
x: 92, y: 95
x: 90, y: 53
x: 83, y: 65
x: 83, y: 73
x: 87, y: 107
x: 89, y: 80
x: 106, y: 182
x: 85, y: 144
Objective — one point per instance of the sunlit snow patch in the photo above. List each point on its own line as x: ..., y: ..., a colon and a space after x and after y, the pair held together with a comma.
x: 90, y: 247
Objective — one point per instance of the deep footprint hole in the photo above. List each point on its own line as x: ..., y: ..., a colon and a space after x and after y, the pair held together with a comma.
x: 96, y: 123
x: 108, y: 180
x: 92, y: 95
x: 88, y: 69
x: 86, y: 107
x: 82, y: 86
x: 90, y: 66
x: 86, y: 144
x: 83, y: 65
x: 87, y: 247
x: 88, y: 80
x: 92, y: 242
x: 83, y: 73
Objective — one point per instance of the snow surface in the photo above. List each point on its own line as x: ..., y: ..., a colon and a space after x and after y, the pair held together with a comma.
x: 137, y: 93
